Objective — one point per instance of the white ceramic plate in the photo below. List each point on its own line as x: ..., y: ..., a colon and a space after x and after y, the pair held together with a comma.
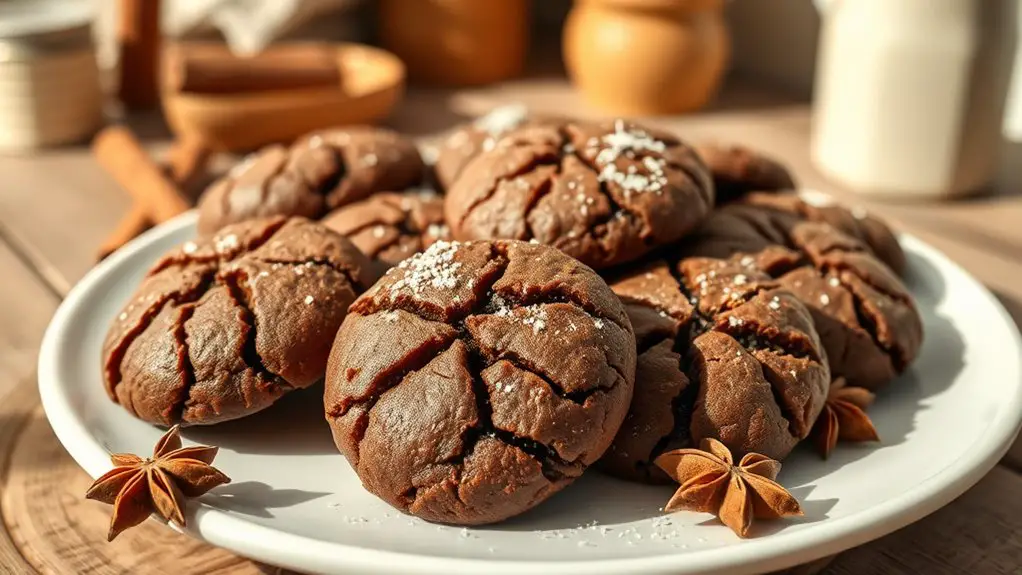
x: 295, y: 502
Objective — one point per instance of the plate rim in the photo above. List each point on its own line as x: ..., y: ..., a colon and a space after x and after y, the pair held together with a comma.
x: 777, y: 551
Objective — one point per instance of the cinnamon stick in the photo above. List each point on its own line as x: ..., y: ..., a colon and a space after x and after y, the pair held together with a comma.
x: 187, y: 162
x: 212, y: 69
x: 138, y: 37
x: 128, y: 228
x: 186, y: 166
x: 120, y: 154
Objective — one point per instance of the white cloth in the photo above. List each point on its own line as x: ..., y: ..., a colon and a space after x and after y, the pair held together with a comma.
x: 247, y: 26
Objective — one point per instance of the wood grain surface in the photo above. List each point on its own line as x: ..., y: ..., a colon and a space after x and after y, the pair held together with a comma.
x: 56, y: 207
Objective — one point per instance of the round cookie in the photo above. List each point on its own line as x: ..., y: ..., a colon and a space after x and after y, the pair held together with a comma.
x: 864, y: 314
x: 738, y: 170
x: 390, y: 227
x: 221, y: 328
x: 604, y: 193
x: 318, y: 173
x: 855, y: 222
x: 476, y: 379
x: 468, y: 141
x: 724, y: 352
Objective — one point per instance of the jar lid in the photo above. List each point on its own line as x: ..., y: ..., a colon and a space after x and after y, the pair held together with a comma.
x: 44, y: 25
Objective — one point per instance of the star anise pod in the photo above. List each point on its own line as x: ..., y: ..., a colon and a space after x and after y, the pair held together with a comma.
x: 136, y: 487
x: 844, y: 417
x: 710, y: 482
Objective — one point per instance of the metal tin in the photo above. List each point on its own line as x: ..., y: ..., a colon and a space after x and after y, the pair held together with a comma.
x: 49, y: 77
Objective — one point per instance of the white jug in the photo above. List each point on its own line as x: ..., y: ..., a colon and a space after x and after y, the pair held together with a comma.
x: 910, y: 94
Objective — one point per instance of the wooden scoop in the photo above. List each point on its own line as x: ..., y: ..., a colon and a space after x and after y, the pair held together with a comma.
x: 225, y: 117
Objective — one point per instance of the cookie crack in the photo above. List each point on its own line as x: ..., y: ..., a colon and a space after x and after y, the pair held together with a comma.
x: 869, y: 325
x: 185, y: 365
x: 331, y: 183
x: 753, y: 339
x: 753, y: 344
x: 578, y: 397
x: 552, y: 465
x: 416, y: 360
x: 519, y: 301
x: 183, y: 259
x: 241, y: 297
x: 339, y: 268
x: 682, y: 407
x: 616, y: 210
x: 835, y: 269
x: 700, y: 180
x: 546, y: 159
x: 177, y: 298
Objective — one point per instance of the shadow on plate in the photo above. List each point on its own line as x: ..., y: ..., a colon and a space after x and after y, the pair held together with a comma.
x: 898, y: 403
x: 256, y: 498
x: 294, y: 425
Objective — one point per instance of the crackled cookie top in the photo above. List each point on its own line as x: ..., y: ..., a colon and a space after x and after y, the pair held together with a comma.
x: 476, y: 379
x: 222, y: 327
x: 856, y: 222
x: 466, y: 142
x: 724, y: 352
x: 604, y: 193
x: 866, y: 317
x: 390, y: 227
x: 738, y: 170
x: 320, y: 172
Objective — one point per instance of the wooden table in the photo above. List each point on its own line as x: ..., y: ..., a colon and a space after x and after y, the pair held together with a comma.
x: 56, y: 207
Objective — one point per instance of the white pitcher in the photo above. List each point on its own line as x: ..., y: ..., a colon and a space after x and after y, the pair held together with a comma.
x: 910, y: 94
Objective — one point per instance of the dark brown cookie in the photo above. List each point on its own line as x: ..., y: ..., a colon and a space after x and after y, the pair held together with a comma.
x: 724, y: 352
x: 866, y: 318
x: 320, y: 172
x: 855, y: 222
x: 738, y: 170
x: 466, y: 142
x: 475, y: 380
x: 603, y: 193
x: 390, y: 227
x: 221, y: 328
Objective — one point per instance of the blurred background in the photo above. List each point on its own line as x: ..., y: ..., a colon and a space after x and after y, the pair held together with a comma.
x: 910, y: 108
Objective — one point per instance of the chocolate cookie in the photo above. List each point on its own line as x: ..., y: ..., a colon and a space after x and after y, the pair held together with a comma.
x: 476, y: 379
x: 323, y: 171
x: 738, y: 170
x: 855, y: 222
x: 390, y: 227
x: 221, y: 328
x: 864, y: 314
x: 724, y: 352
x: 482, y: 135
x: 603, y: 193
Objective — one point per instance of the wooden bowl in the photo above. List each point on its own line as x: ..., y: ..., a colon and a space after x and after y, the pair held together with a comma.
x: 373, y: 81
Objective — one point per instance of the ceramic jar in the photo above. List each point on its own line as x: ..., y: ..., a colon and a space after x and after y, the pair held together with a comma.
x: 457, y: 42
x: 645, y: 57
x: 910, y: 95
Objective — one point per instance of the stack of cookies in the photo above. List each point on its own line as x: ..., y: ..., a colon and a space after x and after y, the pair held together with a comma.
x: 541, y: 296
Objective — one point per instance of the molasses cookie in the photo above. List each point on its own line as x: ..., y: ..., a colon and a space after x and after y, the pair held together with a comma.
x: 865, y: 316
x: 855, y: 222
x: 221, y: 328
x: 320, y: 172
x: 482, y: 135
x: 724, y: 352
x: 603, y: 193
x: 738, y: 170
x: 474, y: 380
x: 390, y: 227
